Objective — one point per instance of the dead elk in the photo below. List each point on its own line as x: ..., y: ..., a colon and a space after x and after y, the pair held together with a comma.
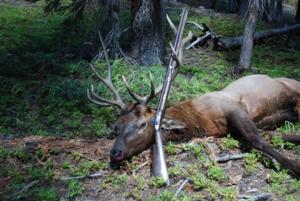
x: 246, y: 105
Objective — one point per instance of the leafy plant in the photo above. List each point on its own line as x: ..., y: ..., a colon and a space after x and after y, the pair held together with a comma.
x: 216, y: 172
x: 229, y: 143
x: 157, y: 182
x: 74, y: 189
x: 252, y: 161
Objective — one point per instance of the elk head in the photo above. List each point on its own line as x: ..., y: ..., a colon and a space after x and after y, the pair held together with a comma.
x: 134, y: 125
x: 134, y: 128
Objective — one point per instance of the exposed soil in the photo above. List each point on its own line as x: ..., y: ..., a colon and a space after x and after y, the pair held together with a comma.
x: 59, y: 150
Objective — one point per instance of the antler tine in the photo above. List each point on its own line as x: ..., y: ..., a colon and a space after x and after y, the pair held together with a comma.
x: 184, y: 41
x: 108, y: 82
x: 154, y: 91
x: 106, y: 58
x: 175, y: 55
x: 96, y: 101
x: 196, y: 25
x: 144, y: 100
x: 137, y: 97
x: 103, y: 101
x: 187, y: 39
x: 172, y: 25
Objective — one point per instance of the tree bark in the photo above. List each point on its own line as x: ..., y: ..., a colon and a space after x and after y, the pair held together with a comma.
x: 111, y: 40
x: 247, y: 44
x: 298, y: 12
x: 114, y: 48
x: 233, y: 6
x: 278, y: 15
x: 148, y: 33
x: 243, y: 7
x: 271, y: 11
x: 236, y: 42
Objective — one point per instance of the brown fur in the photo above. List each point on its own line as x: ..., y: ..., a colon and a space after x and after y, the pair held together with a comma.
x: 252, y: 102
x: 260, y: 96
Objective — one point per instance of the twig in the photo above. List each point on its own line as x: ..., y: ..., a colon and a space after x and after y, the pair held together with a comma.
x: 92, y: 176
x: 209, y: 149
x: 198, y: 40
x: 181, y: 186
x: 21, y: 193
x: 230, y: 157
x: 259, y: 197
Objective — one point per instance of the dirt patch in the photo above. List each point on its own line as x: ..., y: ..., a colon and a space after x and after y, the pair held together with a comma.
x: 132, y: 181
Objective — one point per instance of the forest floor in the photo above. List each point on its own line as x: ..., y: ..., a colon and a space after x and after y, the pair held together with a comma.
x: 54, y: 143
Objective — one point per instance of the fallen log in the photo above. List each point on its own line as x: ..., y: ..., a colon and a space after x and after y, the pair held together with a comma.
x: 236, y: 41
x: 295, y: 138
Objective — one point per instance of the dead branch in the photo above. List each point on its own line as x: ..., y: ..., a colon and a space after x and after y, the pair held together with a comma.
x: 259, y: 197
x: 92, y: 176
x: 295, y: 138
x: 21, y: 193
x: 203, y: 39
x: 236, y: 41
x: 181, y: 186
x: 199, y: 40
x: 208, y: 149
x: 226, y: 158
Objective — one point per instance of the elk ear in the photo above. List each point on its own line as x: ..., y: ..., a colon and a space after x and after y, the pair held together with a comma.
x: 172, y: 124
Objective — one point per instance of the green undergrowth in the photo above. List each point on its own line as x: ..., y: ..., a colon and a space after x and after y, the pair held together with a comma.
x: 45, y: 91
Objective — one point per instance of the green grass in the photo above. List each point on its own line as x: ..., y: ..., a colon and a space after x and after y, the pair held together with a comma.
x: 229, y: 143
x: 251, y: 160
x: 44, y: 80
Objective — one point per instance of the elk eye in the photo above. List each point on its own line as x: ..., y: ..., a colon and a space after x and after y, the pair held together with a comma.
x: 143, y: 125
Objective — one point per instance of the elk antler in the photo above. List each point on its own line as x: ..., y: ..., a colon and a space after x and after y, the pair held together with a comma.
x: 108, y: 82
x: 184, y: 41
x: 144, y: 100
x: 177, y: 55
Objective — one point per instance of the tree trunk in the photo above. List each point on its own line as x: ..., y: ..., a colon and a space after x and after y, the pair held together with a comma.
x: 111, y: 40
x: 210, y: 4
x: 271, y: 11
x: 298, y: 12
x: 243, y: 7
x: 247, y: 44
x: 148, y: 33
x: 114, y: 48
x: 278, y: 16
x: 233, y: 6
x: 266, y: 9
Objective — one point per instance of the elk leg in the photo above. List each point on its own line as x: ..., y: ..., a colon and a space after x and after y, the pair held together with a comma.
x: 272, y: 121
x: 241, y: 124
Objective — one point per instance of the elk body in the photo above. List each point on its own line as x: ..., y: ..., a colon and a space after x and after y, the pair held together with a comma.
x: 242, y: 108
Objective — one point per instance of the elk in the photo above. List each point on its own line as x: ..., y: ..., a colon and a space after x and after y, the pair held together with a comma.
x: 242, y: 108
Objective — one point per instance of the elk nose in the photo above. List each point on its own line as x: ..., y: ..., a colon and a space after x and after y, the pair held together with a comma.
x: 116, y: 154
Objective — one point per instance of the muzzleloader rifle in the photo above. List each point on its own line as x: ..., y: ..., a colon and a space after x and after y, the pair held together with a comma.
x: 159, y: 167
